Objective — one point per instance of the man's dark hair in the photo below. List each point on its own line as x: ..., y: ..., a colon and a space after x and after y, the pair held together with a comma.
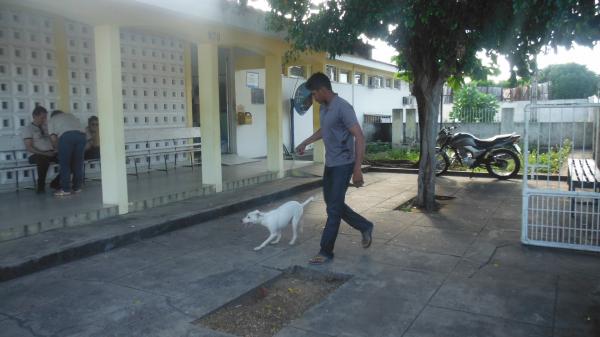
x: 56, y: 112
x: 39, y: 110
x: 318, y: 81
x: 92, y: 119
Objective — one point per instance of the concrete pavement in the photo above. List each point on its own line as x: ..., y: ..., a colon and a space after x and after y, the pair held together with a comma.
x: 459, y: 272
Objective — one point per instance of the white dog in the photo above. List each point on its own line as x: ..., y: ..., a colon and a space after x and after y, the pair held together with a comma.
x: 277, y: 219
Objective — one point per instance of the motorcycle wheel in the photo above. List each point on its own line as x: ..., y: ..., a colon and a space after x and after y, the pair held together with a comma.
x: 442, y: 162
x: 503, y: 164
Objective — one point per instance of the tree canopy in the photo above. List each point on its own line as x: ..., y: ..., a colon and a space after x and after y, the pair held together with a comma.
x: 570, y: 80
x: 473, y: 106
x: 437, y: 41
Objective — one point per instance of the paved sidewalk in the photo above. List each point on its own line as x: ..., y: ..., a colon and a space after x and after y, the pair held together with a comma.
x: 460, y: 272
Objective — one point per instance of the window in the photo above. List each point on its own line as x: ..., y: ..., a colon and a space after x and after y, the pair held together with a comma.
x: 388, y: 82
x: 296, y: 71
x: 344, y: 76
x: 359, y: 78
x: 375, y: 81
x: 397, y: 84
x: 331, y: 72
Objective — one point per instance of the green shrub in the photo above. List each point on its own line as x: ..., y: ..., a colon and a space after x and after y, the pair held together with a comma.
x: 551, y: 161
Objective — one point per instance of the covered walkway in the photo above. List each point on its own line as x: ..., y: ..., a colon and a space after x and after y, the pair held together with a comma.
x: 26, y: 213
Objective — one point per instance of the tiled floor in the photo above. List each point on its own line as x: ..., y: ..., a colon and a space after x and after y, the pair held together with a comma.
x: 25, y: 207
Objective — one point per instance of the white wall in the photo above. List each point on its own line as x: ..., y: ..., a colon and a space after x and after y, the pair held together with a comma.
x: 377, y: 101
x: 564, y: 114
x: 365, y: 101
x: 252, y: 141
x: 251, y: 138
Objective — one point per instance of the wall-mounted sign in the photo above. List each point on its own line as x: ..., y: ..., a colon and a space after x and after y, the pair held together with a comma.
x: 257, y: 96
x: 251, y: 79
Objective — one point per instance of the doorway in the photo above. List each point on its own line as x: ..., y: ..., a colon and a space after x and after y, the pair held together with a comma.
x: 226, y: 97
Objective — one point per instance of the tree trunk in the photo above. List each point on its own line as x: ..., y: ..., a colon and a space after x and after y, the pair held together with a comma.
x: 428, y: 93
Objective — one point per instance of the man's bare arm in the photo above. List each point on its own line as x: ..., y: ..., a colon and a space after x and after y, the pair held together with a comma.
x: 32, y: 149
x: 359, y: 150
x: 54, y: 140
x: 315, y: 136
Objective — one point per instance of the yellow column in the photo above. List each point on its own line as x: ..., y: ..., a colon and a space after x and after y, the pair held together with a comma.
x: 187, y: 65
x: 62, y: 63
x: 110, y: 115
x: 208, y: 67
x: 274, y: 110
x: 319, y: 147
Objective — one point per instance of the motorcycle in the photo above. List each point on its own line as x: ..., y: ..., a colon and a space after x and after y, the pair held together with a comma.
x: 499, y: 154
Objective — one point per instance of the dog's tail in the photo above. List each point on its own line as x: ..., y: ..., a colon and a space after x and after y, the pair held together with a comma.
x: 307, y: 201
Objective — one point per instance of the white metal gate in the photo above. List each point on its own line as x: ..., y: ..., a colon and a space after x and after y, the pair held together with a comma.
x: 561, y: 181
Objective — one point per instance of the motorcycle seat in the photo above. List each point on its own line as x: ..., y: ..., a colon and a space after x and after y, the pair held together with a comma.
x: 495, y: 139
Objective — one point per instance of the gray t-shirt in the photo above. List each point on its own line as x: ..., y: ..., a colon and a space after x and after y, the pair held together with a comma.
x: 64, y: 122
x: 39, y: 135
x: 336, y: 118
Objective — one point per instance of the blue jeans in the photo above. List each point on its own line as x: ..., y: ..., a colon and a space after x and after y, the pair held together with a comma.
x: 335, y: 185
x: 71, y: 145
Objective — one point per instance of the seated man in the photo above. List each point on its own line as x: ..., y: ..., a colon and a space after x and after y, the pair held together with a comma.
x: 68, y: 135
x: 37, y: 142
x: 92, y: 147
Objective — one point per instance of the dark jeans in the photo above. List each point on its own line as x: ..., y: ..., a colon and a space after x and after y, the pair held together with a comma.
x: 43, y: 163
x: 335, y: 185
x: 71, y: 145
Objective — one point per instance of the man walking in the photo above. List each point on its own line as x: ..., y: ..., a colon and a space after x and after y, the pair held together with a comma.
x: 344, y: 151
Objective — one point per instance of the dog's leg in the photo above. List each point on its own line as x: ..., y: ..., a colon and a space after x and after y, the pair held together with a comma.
x: 271, y: 237
x: 276, y: 241
x: 295, y: 221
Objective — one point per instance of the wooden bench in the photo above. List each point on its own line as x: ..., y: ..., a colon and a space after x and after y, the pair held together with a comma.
x: 583, y: 173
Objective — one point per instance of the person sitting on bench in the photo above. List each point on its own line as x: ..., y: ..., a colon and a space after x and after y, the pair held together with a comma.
x: 37, y: 142
x: 92, y: 147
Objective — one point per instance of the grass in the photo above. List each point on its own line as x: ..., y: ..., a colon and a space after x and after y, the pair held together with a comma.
x: 394, y: 154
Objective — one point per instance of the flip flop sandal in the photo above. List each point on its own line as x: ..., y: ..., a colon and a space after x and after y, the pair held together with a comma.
x: 319, y: 259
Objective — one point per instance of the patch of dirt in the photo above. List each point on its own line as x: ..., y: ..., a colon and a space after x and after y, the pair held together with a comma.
x: 265, y: 310
x: 409, y: 206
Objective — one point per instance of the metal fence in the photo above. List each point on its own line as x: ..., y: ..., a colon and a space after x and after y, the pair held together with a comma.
x: 561, y: 182
x: 475, y: 115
